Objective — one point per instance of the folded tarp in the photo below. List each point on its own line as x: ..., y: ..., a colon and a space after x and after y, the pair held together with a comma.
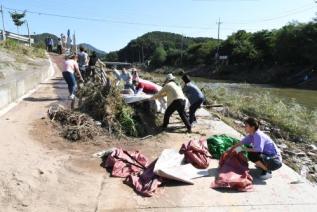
x: 219, y: 144
x: 196, y: 153
x: 158, y: 105
x: 132, y: 98
x: 171, y: 165
x: 123, y: 163
x: 133, y: 166
x: 233, y: 172
x: 145, y: 182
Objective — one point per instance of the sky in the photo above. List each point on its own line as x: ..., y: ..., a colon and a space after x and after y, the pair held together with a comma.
x: 110, y: 24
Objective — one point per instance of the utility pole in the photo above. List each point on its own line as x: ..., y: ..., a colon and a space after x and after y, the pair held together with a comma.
x: 219, y: 23
x: 182, y: 44
x: 27, y: 25
x: 3, y: 29
x: 142, y: 55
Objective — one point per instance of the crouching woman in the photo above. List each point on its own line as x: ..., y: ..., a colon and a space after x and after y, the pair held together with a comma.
x: 264, y: 152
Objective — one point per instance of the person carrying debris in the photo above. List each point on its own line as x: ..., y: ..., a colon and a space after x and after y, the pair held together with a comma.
x: 82, y: 61
x: 145, y: 86
x: 70, y: 67
x: 195, y: 97
x: 175, y: 101
x: 264, y: 152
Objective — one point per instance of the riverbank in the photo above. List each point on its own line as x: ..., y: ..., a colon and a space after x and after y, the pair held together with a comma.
x: 279, y: 76
x: 291, y: 125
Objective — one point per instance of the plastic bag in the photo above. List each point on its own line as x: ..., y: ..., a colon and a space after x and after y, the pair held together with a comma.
x: 219, y: 144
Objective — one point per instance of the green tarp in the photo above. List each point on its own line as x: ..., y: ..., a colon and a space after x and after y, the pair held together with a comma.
x: 218, y: 144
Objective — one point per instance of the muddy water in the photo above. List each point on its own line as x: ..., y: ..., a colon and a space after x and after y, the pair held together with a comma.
x: 307, y: 98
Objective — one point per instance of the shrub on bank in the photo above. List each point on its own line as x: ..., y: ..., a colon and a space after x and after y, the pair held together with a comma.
x: 291, y: 117
x: 19, y: 48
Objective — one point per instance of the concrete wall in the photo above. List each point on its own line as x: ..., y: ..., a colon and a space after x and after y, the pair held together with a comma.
x: 12, y: 90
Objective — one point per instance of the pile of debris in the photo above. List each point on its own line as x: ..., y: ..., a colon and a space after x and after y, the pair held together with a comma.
x: 103, y: 103
x: 74, y: 125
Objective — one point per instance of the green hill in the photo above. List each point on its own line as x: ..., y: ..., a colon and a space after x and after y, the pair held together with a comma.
x: 39, y: 39
x: 175, y: 47
x: 91, y: 48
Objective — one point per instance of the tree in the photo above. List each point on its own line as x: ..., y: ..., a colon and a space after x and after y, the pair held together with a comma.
x: 240, y: 48
x: 159, y: 57
x: 112, y: 57
x: 263, y: 41
x: 17, y: 19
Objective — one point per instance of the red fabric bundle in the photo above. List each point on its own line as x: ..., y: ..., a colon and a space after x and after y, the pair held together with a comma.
x: 146, y: 182
x: 124, y: 163
x: 233, y: 172
x: 196, y: 153
x: 134, y: 167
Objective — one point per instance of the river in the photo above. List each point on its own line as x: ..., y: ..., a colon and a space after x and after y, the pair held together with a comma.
x: 307, y: 98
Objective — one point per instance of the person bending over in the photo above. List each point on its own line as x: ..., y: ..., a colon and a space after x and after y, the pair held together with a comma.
x: 145, y: 86
x: 195, y: 96
x: 175, y: 101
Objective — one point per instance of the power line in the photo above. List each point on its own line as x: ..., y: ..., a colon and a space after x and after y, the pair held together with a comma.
x: 296, y: 11
x: 108, y: 20
x: 289, y: 13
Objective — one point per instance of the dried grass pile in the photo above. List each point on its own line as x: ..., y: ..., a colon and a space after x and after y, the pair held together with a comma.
x: 74, y: 125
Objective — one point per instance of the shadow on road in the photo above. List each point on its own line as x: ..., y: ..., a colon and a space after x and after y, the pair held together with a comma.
x: 42, y: 99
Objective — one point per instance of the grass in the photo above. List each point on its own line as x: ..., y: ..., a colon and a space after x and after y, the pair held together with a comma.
x: 18, y: 48
x: 289, y: 116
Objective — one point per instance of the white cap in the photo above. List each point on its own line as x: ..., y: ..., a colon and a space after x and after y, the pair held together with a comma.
x: 169, y: 77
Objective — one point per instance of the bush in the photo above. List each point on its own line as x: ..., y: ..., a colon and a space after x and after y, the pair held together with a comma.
x: 19, y: 48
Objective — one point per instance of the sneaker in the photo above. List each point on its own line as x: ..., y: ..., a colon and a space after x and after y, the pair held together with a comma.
x: 72, y: 97
x: 265, y: 175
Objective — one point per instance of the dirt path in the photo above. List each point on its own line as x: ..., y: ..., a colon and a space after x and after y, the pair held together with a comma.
x: 39, y: 171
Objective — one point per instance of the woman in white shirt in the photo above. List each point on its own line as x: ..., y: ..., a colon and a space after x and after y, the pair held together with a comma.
x: 70, y: 67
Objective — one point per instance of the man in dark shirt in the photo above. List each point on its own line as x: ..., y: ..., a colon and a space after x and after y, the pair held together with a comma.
x: 194, y: 95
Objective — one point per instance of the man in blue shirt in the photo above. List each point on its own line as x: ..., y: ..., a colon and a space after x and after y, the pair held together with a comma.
x: 194, y: 95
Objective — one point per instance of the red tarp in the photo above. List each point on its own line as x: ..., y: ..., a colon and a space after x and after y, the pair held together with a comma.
x: 196, y: 153
x: 233, y: 172
x: 145, y: 183
x: 134, y: 167
x: 123, y: 163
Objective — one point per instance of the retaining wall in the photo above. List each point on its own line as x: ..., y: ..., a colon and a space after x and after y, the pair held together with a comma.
x: 13, y: 89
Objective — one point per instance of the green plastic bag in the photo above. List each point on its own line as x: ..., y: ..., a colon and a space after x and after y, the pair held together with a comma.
x: 218, y: 144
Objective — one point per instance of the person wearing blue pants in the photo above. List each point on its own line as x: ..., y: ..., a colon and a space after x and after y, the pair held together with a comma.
x: 70, y: 67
